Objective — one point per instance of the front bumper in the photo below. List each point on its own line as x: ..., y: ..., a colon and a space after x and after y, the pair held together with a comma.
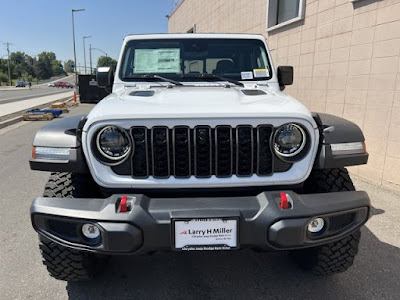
x: 146, y: 227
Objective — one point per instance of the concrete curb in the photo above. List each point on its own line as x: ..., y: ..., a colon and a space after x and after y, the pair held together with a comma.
x: 17, y: 116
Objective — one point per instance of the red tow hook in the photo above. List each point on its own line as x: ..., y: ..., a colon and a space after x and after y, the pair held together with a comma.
x: 284, y: 201
x: 123, y: 207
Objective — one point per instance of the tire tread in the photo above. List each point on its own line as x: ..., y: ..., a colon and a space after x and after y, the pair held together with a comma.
x: 61, y: 262
x: 334, y: 257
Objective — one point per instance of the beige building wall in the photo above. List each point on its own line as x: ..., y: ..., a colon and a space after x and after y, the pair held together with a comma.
x: 346, y: 60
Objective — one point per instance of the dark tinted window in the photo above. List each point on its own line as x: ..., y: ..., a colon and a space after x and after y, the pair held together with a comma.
x: 241, y: 59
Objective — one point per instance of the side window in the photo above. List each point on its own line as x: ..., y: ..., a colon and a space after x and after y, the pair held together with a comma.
x: 284, y: 12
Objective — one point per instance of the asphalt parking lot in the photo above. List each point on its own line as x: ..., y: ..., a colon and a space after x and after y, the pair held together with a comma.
x: 225, y: 275
x: 9, y: 95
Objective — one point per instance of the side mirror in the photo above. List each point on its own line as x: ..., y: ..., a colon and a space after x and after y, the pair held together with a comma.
x: 105, y: 77
x: 285, y: 75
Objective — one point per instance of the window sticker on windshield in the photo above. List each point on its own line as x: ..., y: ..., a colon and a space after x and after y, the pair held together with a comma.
x: 165, y: 60
x: 261, y: 72
x: 246, y: 75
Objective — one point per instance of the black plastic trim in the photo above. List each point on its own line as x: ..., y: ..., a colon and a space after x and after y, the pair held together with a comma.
x: 343, y: 131
x: 146, y: 152
x: 149, y: 219
x: 238, y: 128
x: 197, y: 148
x: 217, y: 152
x: 336, y: 130
x: 189, y: 150
x: 326, y: 160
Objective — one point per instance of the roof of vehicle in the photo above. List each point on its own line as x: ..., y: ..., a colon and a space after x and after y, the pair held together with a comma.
x: 193, y: 35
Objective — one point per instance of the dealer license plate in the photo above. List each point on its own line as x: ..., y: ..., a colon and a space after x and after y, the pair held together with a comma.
x: 206, y: 234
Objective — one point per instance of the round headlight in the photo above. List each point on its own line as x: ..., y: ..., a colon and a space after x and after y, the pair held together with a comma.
x: 113, y: 143
x: 289, y: 140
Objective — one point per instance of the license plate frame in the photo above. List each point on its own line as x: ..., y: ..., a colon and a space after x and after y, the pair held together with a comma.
x: 205, y: 246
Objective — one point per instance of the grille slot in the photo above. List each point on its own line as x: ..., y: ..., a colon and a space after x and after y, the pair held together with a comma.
x: 223, y: 151
x: 202, y: 151
x: 244, y: 155
x: 160, y: 152
x: 140, y: 159
x: 264, y: 155
x: 182, y: 152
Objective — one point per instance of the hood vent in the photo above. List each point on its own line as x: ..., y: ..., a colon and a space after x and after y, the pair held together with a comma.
x: 142, y: 93
x: 254, y: 92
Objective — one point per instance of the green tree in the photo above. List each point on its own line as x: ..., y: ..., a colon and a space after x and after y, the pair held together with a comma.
x: 24, y: 76
x: 17, y: 57
x: 3, y: 77
x: 57, y: 68
x: 47, y: 65
x: 106, y: 61
x: 21, y: 64
x: 69, y: 66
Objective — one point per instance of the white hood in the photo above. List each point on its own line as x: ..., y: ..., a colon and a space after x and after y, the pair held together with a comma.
x: 197, y: 102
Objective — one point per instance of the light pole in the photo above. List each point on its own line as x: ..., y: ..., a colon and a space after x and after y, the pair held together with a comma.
x: 91, y: 56
x: 100, y: 51
x: 73, y: 39
x: 84, y: 50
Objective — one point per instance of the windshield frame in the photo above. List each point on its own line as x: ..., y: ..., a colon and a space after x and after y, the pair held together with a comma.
x: 178, y: 77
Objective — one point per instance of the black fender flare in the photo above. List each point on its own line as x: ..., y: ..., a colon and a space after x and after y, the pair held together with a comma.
x: 61, y: 133
x: 337, y: 130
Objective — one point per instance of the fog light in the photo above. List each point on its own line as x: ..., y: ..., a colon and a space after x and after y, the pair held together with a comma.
x: 90, y: 231
x: 316, y: 225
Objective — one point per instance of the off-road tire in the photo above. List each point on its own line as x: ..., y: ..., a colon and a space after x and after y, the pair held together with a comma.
x: 328, y: 181
x: 337, y: 256
x: 68, y: 185
x: 64, y: 263
x: 68, y: 264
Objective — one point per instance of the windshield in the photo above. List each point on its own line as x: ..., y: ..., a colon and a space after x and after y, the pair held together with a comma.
x: 189, y: 59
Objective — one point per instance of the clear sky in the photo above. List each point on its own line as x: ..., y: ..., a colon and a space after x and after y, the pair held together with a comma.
x: 46, y: 25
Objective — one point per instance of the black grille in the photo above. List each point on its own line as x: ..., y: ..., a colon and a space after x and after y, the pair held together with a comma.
x: 182, y: 153
x: 64, y: 229
x: 202, y: 151
x: 223, y: 151
x: 264, y: 155
x: 160, y: 152
x: 245, y: 150
x: 341, y: 221
x: 140, y: 161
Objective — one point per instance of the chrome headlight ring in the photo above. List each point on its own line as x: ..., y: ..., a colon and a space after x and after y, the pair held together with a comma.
x: 302, y: 146
x: 105, y: 156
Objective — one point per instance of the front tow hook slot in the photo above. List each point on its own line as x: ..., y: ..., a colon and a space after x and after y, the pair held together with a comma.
x: 286, y: 201
x: 124, y: 204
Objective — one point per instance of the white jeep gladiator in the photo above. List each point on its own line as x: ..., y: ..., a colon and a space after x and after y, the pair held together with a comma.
x: 197, y: 149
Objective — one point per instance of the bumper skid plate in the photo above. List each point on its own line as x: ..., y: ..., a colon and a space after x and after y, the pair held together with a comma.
x: 147, y: 224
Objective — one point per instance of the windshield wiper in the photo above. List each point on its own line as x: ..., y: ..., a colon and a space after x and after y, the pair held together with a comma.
x: 212, y: 76
x: 152, y: 76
